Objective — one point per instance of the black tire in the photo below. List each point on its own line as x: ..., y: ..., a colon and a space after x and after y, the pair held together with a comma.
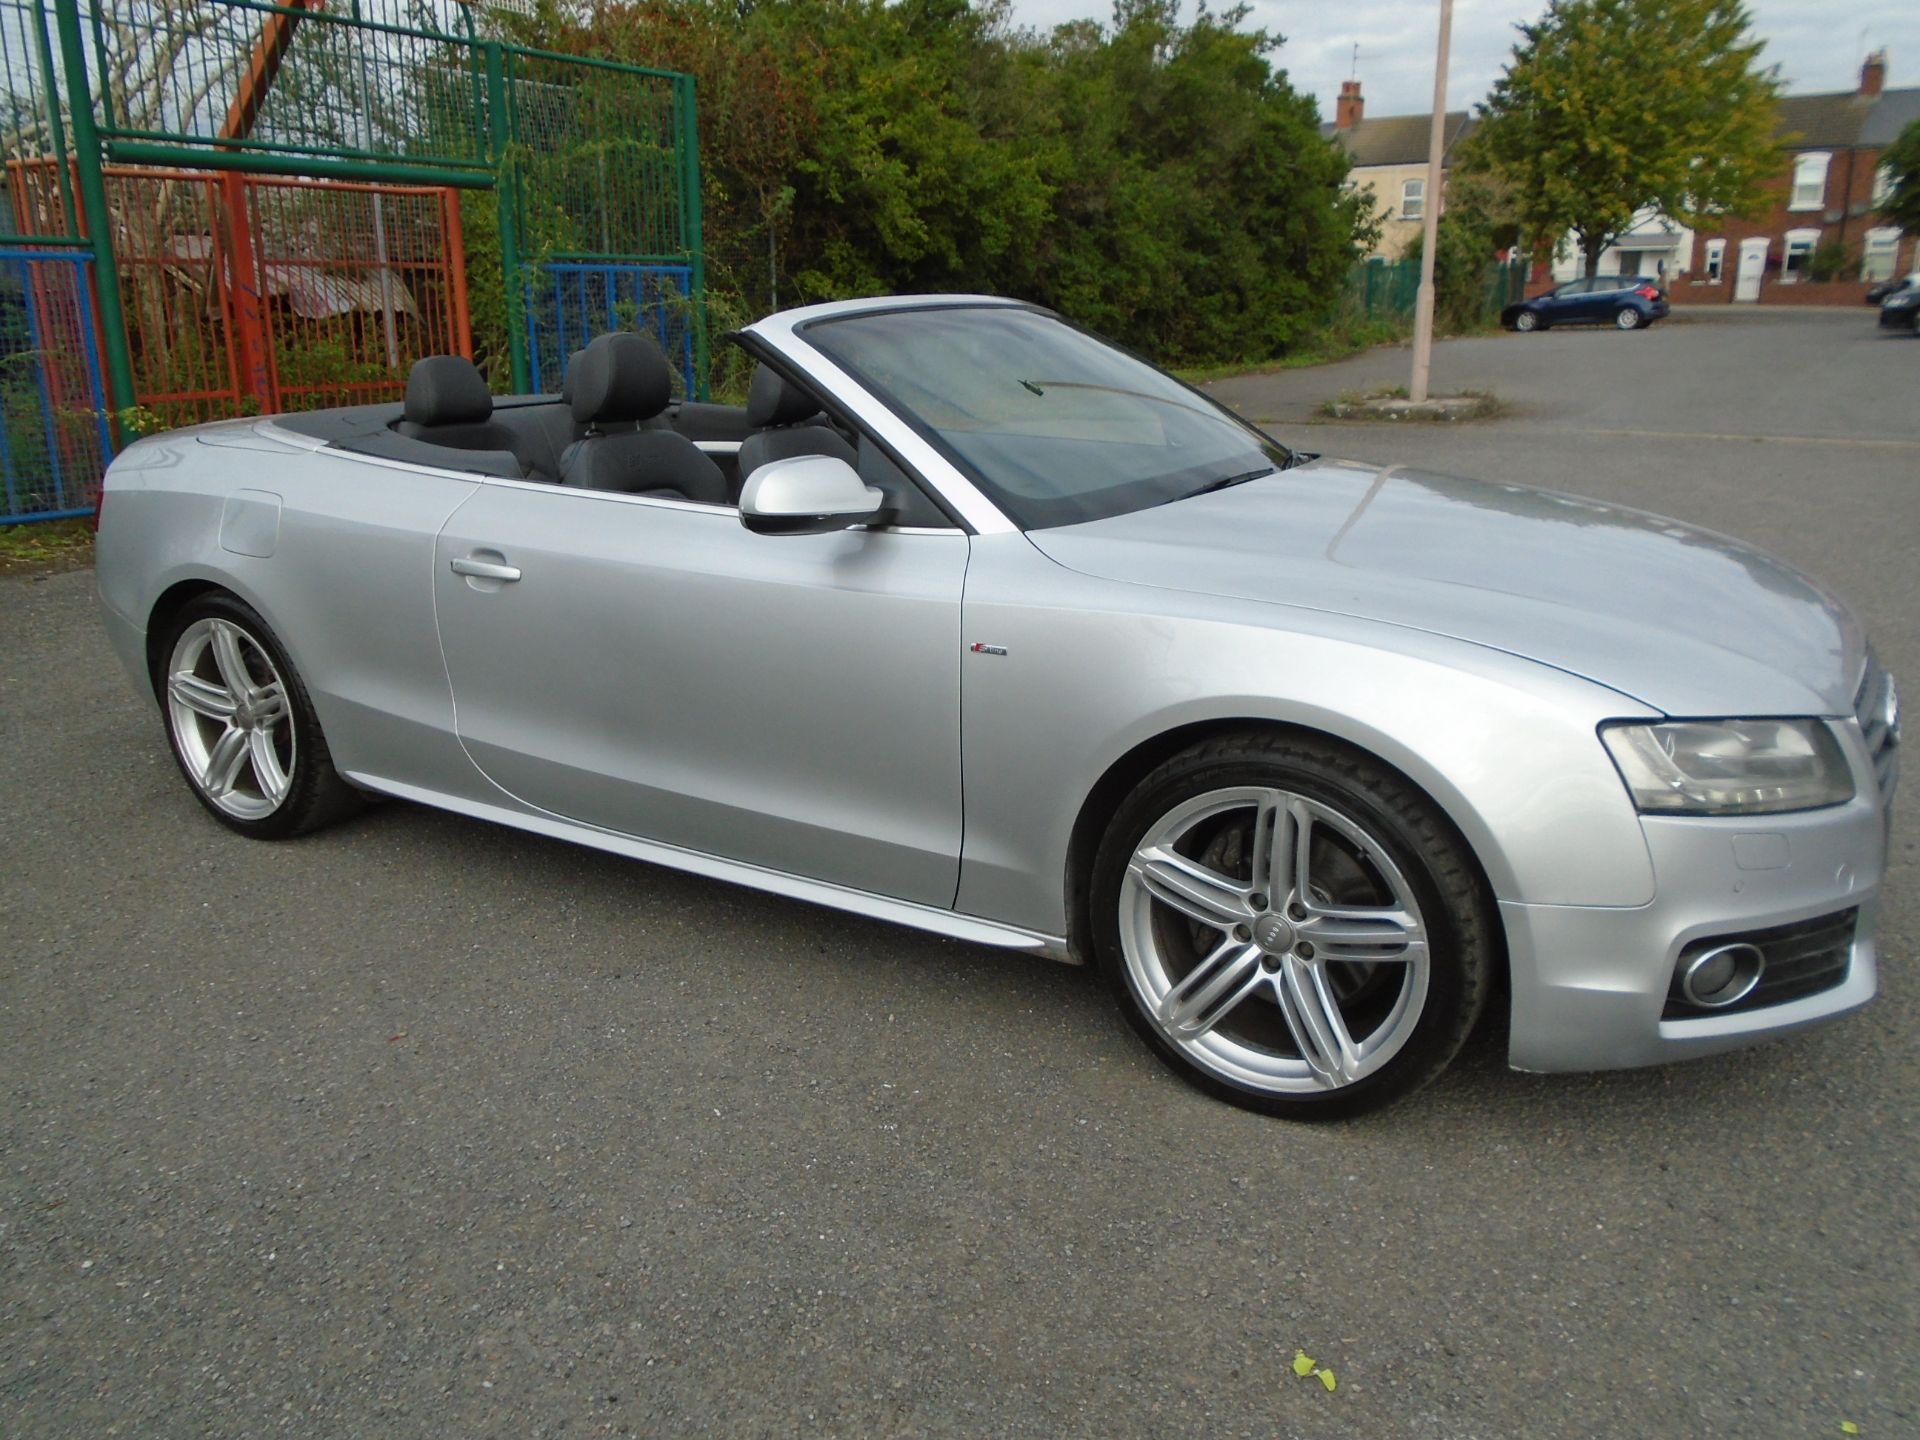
x: 1628, y: 318
x: 1457, y: 910
x: 1526, y: 323
x: 314, y: 793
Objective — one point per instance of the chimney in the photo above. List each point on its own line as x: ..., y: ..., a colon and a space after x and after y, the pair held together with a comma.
x: 1347, y: 115
x: 1873, y: 74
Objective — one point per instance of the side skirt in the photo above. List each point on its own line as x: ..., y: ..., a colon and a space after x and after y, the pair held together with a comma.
x: 776, y: 882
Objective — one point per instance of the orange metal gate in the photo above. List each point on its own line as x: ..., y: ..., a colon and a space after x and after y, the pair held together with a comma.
x: 253, y: 293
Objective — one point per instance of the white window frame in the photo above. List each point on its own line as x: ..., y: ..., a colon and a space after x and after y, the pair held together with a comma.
x: 1810, y: 180
x: 1413, y: 198
x: 1714, y: 266
x: 1882, y: 243
x: 1882, y: 186
x: 1801, y: 243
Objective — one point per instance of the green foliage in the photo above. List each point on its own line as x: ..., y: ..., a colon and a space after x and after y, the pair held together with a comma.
x: 486, y: 296
x: 1153, y: 178
x: 1465, y: 268
x: 1830, y: 259
x: 1609, y: 107
x: 1902, y: 159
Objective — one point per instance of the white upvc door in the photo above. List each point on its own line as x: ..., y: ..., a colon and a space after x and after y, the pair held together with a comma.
x: 1753, y: 264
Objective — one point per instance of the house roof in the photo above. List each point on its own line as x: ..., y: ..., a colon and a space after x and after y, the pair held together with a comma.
x: 1897, y: 110
x: 1823, y: 122
x: 1397, y: 139
x: 1837, y: 121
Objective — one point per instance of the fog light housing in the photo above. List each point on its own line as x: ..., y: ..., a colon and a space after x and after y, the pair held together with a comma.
x: 1720, y: 975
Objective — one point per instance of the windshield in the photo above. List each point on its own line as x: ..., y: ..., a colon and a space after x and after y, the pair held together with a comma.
x: 1053, y: 425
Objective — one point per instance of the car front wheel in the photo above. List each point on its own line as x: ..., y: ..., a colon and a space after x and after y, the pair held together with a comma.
x: 1291, y: 926
x: 241, y: 726
x: 1627, y: 318
x: 1526, y: 320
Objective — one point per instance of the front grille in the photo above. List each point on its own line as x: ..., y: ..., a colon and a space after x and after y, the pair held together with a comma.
x: 1877, y: 707
x: 1802, y: 959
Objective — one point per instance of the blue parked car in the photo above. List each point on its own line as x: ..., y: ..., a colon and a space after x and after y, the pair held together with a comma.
x: 1627, y: 302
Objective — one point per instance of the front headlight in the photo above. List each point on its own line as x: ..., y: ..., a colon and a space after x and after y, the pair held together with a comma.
x: 1730, y: 767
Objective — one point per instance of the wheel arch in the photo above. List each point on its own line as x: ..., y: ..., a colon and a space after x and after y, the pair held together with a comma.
x: 1102, y: 802
x: 165, y: 609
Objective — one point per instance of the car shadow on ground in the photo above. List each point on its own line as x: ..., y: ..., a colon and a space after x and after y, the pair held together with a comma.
x: 850, y: 959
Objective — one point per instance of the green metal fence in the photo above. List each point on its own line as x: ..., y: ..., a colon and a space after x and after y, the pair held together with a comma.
x: 590, y: 160
x: 1389, y: 289
x: 580, y: 161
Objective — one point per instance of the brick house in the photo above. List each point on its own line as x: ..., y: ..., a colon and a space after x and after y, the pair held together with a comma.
x: 1828, y: 191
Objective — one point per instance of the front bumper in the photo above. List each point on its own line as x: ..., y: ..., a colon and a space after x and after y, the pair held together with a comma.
x: 1905, y: 318
x: 1590, y: 984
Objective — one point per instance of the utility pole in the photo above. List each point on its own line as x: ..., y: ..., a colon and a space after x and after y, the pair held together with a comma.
x: 1430, y: 217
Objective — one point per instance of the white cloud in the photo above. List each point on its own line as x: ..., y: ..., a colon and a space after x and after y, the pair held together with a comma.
x: 1818, y: 44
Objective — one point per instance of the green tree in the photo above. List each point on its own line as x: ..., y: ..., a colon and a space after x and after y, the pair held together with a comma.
x: 1611, y: 107
x: 1902, y: 159
x: 1473, y: 230
x: 1153, y: 176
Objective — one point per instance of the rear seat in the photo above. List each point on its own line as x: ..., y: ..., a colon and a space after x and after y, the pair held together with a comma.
x: 448, y: 404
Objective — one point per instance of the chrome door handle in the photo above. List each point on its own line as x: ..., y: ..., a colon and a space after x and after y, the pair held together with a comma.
x: 485, y: 569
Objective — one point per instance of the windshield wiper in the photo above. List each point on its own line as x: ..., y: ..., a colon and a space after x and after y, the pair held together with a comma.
x: 1229, y: 481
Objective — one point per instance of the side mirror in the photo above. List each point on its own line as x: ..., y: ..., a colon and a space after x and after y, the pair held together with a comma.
x: 808, y: 495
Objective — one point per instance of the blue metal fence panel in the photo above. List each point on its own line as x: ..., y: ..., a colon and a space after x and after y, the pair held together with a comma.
x: 54, y: 437
x: 570, y: 302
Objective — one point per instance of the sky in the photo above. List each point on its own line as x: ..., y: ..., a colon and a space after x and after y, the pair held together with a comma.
x: 1818, y: 44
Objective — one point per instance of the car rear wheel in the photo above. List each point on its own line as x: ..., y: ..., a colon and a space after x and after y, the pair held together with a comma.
x: 1526, y: 320
x: 1627, y: 318
x: 241, y: 726
x: 1291, y: 926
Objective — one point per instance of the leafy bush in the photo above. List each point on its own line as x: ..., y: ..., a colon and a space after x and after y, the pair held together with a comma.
x: 1154, y: 179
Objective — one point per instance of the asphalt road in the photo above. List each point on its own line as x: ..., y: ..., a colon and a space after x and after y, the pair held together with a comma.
x: 422, y: 1127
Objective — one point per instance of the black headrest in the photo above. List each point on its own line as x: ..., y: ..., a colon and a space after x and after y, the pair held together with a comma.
x: 620, y: 376
x: 772, y: 401
x: 566, y: 380
x: 447, y: 390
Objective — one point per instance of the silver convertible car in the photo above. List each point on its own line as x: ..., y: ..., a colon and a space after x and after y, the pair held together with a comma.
x: 971, y: 621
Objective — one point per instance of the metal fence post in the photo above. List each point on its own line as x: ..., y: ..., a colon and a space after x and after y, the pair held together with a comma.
x: 693, y: 237
x: 93, y: 203
x: 506, y: 185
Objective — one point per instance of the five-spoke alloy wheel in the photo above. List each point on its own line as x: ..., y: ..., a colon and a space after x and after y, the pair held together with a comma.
x: 241, y: 725
x: 1291, y: 925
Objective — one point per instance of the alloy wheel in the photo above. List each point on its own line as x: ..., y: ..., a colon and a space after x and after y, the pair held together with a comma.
x: 228, y: 708
x: 1273, y: 940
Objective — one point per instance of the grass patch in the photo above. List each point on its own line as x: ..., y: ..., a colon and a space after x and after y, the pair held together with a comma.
x: 45, y: 545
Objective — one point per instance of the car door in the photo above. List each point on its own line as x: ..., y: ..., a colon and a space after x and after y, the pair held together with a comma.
x: 1564, y: 303
x: 650, y: 667
x: 1608, y: 294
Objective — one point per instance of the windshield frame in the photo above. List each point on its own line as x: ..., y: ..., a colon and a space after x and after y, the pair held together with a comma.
x: 995, y: 494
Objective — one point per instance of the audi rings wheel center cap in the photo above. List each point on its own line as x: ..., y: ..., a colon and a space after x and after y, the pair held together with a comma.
x: 1273, y: 934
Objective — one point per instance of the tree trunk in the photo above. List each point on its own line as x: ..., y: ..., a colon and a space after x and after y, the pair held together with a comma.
x: 1593, y: 247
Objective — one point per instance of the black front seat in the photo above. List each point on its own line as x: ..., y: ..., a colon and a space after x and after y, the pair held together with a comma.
x: 449, y: 404
x: 785, y: 421
x: 620, y: 379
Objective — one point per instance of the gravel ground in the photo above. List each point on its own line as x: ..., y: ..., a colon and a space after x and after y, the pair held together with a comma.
x: 423, y: 1127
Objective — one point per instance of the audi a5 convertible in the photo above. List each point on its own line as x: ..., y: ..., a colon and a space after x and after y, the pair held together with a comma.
x: 974, y: 622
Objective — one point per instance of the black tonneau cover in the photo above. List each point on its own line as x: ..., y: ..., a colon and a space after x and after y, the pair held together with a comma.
x: 368, y: 430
